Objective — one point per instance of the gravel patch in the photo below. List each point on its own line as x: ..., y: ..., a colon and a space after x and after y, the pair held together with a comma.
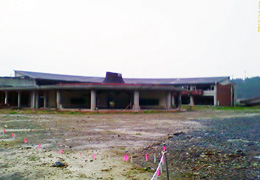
x: 223, y: 149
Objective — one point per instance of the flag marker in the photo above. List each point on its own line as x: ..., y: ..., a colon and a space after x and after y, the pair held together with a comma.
x: 164, y: 148
x: 125, y: 157
x: 146, y: 157
x: 158, y: 172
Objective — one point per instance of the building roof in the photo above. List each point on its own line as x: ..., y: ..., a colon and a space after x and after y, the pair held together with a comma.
x: 87, y: 79
x: 178, y: 81
x: 49, y: 76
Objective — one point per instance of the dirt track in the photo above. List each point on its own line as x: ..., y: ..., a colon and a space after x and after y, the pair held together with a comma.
x: 108, y: 136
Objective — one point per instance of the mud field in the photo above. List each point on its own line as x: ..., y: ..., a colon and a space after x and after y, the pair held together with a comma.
x: 92, y: 146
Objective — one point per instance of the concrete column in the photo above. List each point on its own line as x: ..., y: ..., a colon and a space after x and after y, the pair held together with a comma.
x: 19, y: 99
x: 6, y: 97
x: 36, y: 99
x: 45, y: 99
x: 58, y: 98
x: 215, y: 100
x: 179, y: 105
x: 93, y: 98
x: 169, y: 100
x: 33, y: 99
x: 191, y: 100
x: 136, y: 105
x: 215, y: 96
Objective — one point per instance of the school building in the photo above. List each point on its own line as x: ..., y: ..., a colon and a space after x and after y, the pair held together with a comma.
x: 47, y: 91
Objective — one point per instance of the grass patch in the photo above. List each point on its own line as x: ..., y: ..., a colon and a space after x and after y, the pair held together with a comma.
x: 4, y: 166
x: 151, y: 111
x: 235, y: 108
x: 197, y: 107
x: 238, y: 108
x: 79, y: 112
x: 110, y: 132
x: 5, y: 144
x: 33, y: 158
x: 145, y: 169
x: 13, y: 112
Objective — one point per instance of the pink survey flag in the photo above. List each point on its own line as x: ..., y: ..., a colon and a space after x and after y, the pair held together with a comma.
x: 4, y: 131
x: 158, y: 172
x: 164, y: 148
x: 12, y: 135
x: 25, y: 140
x: 146, y: 157
x: 39, y: 146
x: 94, y: 156
x: 126, y: 157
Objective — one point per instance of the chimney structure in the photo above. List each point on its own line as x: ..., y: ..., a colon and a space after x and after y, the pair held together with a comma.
x: 113, y: 78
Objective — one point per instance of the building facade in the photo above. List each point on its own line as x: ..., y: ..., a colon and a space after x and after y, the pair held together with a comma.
x: 44, y: 90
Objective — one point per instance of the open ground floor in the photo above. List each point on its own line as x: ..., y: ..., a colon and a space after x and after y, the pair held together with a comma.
x: 91, y: 99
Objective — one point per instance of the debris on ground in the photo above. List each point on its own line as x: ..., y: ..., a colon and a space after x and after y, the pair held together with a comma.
x: 60, y: 164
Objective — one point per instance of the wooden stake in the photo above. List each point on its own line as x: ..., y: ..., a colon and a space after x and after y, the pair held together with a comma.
x: 167, y: 170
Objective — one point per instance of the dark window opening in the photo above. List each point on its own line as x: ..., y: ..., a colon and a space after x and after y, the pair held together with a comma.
x: 113, y: 100
x: 25, y: 99
x: 205, y: 87
x: 149, y: 102
x: 185, y: 99
x: 203, y: 100
x: 77, y: 101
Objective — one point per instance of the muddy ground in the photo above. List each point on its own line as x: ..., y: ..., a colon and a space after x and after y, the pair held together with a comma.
x: 107, y: 136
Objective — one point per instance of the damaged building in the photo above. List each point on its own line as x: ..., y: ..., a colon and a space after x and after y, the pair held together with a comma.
x: 47, y: 91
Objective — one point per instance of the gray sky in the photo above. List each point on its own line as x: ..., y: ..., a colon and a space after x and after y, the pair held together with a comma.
x: 138, y: 38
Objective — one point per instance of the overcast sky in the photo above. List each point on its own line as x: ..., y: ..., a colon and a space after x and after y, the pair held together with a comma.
x: 138, y: 38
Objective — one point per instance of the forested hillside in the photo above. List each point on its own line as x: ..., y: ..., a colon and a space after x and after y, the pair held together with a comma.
x: 248, y: 88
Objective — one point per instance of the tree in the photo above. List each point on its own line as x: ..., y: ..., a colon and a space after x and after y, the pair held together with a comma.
x: 248, y: 88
